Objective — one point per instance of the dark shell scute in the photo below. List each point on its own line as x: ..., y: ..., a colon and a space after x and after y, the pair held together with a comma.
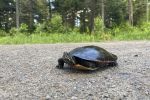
x: 92, y: 53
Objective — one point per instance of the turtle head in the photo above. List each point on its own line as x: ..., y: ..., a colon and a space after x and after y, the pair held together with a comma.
x: 68, y: 59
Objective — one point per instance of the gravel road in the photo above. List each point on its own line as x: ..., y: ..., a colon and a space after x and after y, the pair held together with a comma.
x: 27, y: 72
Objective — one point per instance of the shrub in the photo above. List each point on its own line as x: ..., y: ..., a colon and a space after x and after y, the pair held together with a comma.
x: 52, y: 26
x: 13, y: 31
x: 40, y: 28
x: 98, y: 25
x: 2, y: 33
x: 23, y: 29
x: 145, y: 27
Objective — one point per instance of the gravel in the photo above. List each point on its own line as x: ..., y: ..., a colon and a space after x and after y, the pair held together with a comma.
x: 27, y: 72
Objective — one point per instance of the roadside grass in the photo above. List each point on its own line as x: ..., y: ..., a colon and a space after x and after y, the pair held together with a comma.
x: 132, y: 36
x: 72, y: 37
x: 52, y: 38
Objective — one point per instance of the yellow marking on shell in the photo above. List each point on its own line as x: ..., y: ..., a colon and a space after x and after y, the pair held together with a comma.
x: 77, y: 66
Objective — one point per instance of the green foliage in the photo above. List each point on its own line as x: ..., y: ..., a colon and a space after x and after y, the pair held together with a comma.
x: 40, y: 28
x: 61, y: 27
x: 53, y: 26
x: 7, y: 9
x: 127, y: 32
x: 126, y: 27
x: 145, y: 27
x: 2, y: 33
x: 23, y: 29
x: 98, y: 25
x: 51, y: 38
x: 136, y: 34
x: 13, y: 31
x: 115, y: 12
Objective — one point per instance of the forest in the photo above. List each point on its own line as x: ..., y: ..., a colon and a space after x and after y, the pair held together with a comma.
x: 53, y: 21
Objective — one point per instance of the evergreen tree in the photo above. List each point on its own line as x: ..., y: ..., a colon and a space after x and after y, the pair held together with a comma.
x: 7, y: 18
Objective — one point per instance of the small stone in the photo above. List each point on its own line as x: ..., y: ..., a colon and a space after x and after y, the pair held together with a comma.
x: 92, y: 81
x: 147, y: 92
x: 105, y: 77
x: 105, y: 96
x: 112, y: 86
x: 1, y: 77
x: 74, y: 87
x: 74, y: 98
x: 136, y: 55
x: 47, y: 97
x: 90, y: 94
x: 16, y: 95
x: 55, y: 96
x: 125, y: 61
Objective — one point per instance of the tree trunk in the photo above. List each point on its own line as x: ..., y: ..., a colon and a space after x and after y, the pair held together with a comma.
x: 147, y: 10
x: 103, y: 15
x: 72, y: 21
x: 31, y: 15
x: 130, y: 11
x: 17, y: 14
x: 83, y: 22
x: 50, y: 10
x: 92, y: 15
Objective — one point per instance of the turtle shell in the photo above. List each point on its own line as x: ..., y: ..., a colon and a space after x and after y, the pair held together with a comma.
x: 93, y: 53
x: 92, y: 57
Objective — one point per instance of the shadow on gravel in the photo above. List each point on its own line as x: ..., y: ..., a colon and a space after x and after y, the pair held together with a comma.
x: 69, y: 69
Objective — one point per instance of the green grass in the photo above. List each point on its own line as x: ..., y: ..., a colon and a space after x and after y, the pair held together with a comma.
x: 49, y: 38
x: 73, y: 37
x: 132, y: 36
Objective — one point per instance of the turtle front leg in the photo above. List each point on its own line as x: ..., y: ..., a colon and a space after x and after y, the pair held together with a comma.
x: 60, y: 63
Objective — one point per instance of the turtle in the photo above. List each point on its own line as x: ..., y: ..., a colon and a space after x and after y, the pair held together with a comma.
x: 87, y: 58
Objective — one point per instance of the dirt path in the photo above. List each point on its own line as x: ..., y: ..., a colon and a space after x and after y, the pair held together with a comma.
x: 27, y: 72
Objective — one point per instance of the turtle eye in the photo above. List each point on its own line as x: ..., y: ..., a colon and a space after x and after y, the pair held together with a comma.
x: 67, y: 57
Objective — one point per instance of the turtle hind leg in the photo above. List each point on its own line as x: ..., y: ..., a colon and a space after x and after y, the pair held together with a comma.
x: 113, y: 64
x: 60, y: 63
